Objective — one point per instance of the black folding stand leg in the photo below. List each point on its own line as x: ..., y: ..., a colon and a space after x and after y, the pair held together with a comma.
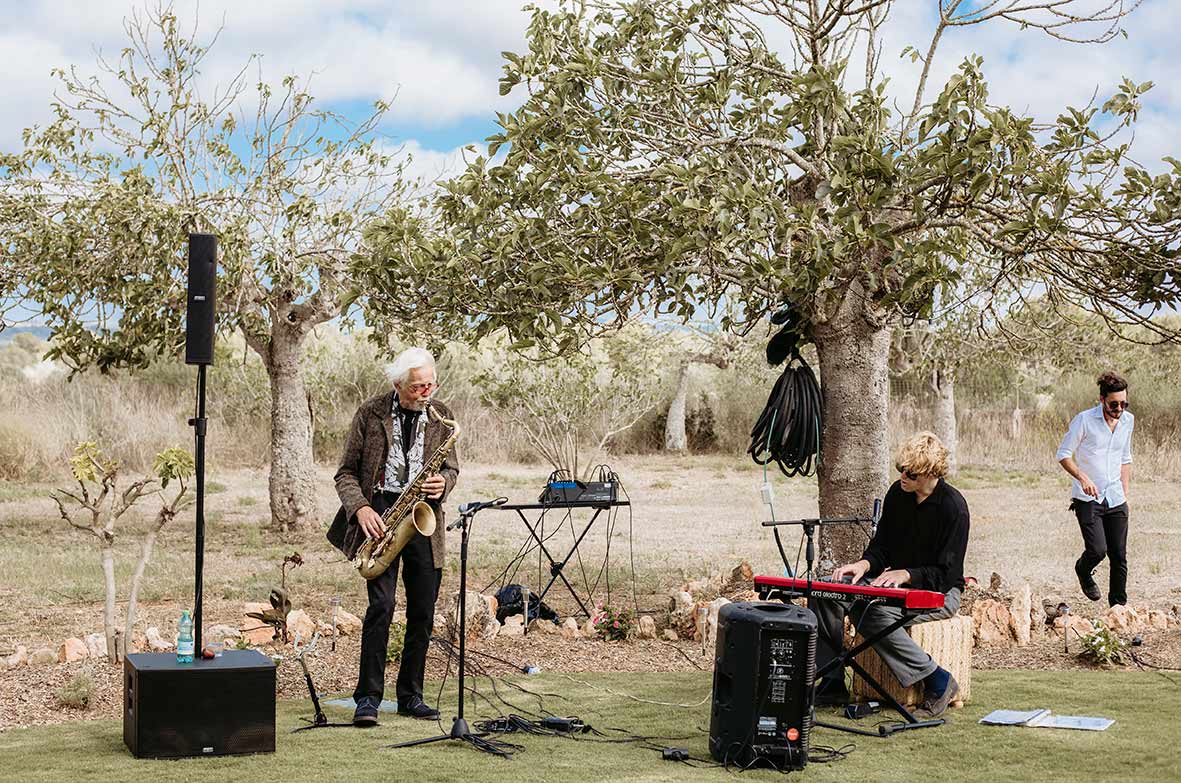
x: 556, y: 568
x: 850, y: 657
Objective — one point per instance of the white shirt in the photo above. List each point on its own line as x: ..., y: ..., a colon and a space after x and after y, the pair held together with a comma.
x: 1099, y: 452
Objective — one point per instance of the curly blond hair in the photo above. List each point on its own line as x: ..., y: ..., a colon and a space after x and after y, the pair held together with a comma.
x: 922, y: 453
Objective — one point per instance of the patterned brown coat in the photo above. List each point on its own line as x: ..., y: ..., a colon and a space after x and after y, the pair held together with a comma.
x: 365, y: 452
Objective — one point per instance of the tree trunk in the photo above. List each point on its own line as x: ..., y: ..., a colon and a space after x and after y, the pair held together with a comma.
x: 107, y: 551
x: 943, y: 382
x: 293, y: 476
x: 854, y: 443
x: 674, y: 424
x: 133, y: 598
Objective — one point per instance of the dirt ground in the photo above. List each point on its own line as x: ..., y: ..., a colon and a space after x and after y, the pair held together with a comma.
x: 689, y: 518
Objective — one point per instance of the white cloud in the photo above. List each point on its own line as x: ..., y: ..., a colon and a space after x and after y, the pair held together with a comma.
x: 442, y: 59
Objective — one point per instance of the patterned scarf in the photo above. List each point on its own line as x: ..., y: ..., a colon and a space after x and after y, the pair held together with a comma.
x: 397, y: 473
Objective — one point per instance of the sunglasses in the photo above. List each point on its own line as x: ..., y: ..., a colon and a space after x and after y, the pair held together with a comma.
x: 1117, y: 405
x: 421, y: 387
x: 910, y: 474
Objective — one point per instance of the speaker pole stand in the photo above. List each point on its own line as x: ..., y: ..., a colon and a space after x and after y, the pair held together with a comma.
x: 198, y: 425
x: 459, y: 727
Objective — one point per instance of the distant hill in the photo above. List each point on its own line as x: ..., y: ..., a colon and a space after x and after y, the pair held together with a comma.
x: 41, y: 332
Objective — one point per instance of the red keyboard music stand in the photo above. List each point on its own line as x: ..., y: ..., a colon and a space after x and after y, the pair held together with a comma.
x: 844, y: 657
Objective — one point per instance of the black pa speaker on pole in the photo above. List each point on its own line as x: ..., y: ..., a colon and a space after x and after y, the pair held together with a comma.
x: 764, y: 667
x: 200, y: 315
x: 217, y: 706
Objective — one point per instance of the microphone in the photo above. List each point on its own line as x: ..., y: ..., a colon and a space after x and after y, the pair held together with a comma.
x: 476, y: 505
x: 467, y: 509
x: 877, y: 514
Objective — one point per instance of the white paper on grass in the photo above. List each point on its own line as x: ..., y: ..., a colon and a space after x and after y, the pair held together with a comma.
x: 1044, y: 719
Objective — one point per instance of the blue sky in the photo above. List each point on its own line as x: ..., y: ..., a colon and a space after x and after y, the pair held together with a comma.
x: 439, y: 61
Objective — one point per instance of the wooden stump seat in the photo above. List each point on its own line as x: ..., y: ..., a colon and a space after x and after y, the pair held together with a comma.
x: 948, y: 641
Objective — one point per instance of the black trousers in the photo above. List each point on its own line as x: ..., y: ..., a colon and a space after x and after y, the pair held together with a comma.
x: 421, y: 580
x: 1105, y: 534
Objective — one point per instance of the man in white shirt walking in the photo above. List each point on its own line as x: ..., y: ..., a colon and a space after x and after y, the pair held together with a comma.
x: 1097, y: 453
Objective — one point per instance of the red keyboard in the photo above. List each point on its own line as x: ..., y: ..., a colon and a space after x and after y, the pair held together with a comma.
x: 781, y: 587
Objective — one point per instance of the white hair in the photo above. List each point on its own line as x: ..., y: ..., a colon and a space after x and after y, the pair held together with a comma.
x: 407, y: 360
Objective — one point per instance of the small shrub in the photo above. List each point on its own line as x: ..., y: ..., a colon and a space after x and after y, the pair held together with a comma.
x: 614, y: 624
x: 78, y: 692
x: 1102, y: 646
x: 393, y: 651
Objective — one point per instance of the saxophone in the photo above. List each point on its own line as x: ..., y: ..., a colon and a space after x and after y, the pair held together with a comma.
x: 409, y: 515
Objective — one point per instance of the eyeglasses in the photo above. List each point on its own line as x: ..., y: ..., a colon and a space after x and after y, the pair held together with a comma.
x: 1117, y: 405
x: 419, y: 388
x: 910, y: 474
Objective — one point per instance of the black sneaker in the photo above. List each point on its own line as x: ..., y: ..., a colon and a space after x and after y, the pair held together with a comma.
x: 366, y: 712
x: 831, y: 692
x: 1090, y: 589
x: 418, y: 709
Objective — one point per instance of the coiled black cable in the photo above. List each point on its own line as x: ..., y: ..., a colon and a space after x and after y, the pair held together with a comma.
x: 788, y: 430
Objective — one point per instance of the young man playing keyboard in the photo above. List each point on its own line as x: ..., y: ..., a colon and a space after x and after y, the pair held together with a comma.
x: 920, y: 544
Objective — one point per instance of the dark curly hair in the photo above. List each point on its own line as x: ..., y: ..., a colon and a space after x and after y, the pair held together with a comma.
x: 1110, y: 382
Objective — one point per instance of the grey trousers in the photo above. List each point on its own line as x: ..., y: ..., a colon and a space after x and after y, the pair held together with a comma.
x: 905, y: 658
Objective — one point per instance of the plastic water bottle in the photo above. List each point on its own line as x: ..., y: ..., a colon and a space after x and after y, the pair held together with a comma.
x: 184, y: 639
x: 532, y: 670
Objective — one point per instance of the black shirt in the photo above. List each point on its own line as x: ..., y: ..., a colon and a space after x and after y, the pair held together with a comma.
x: 927, y: 539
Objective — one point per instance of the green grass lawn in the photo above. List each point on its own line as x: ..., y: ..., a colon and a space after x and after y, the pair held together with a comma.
x: 1142, y: 745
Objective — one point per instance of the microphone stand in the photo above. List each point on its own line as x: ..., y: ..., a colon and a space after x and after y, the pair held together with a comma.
x: 320, y: 721
x: 459, y: 727
x: 809, y: 526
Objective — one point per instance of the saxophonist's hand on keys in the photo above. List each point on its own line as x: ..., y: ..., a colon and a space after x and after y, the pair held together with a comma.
x: 370, y: 522
x: 433, y: 486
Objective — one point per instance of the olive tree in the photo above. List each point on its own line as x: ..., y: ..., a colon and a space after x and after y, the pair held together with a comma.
x: 666, y: 155
x: 98, y: 203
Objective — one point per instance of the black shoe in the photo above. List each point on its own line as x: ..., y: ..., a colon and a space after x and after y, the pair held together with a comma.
x: 936, y: 704
x: 418, y: 709
x: 366, y: 713
x: 831, y: 692
x: 1090, y: 589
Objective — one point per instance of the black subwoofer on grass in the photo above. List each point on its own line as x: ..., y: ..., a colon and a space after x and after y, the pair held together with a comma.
x: 764, y: 666
x: 219, y: 707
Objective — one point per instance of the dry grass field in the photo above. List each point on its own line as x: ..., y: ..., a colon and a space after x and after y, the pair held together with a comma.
x: 691, y: 517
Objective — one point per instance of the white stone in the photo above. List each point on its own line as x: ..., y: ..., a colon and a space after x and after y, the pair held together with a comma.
x: 511, y: 629
x: 669, y: 635
x: 71, y: 650
x: 42, y: 656
x: 481, y: 620
x: 96, y: 645
x: 1020, y: 611
x: 545, y: 628
x: 156, y: 643
x: 20, y: 657
x: 301, y: 623
x: 1123, y: 619
x: 992, y: 622
x: 221, y: 632
x: 647, y: 627
x: 570, y: 628
x: 680, y: 602
x: 711, y: 622
x: 347, y: 623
